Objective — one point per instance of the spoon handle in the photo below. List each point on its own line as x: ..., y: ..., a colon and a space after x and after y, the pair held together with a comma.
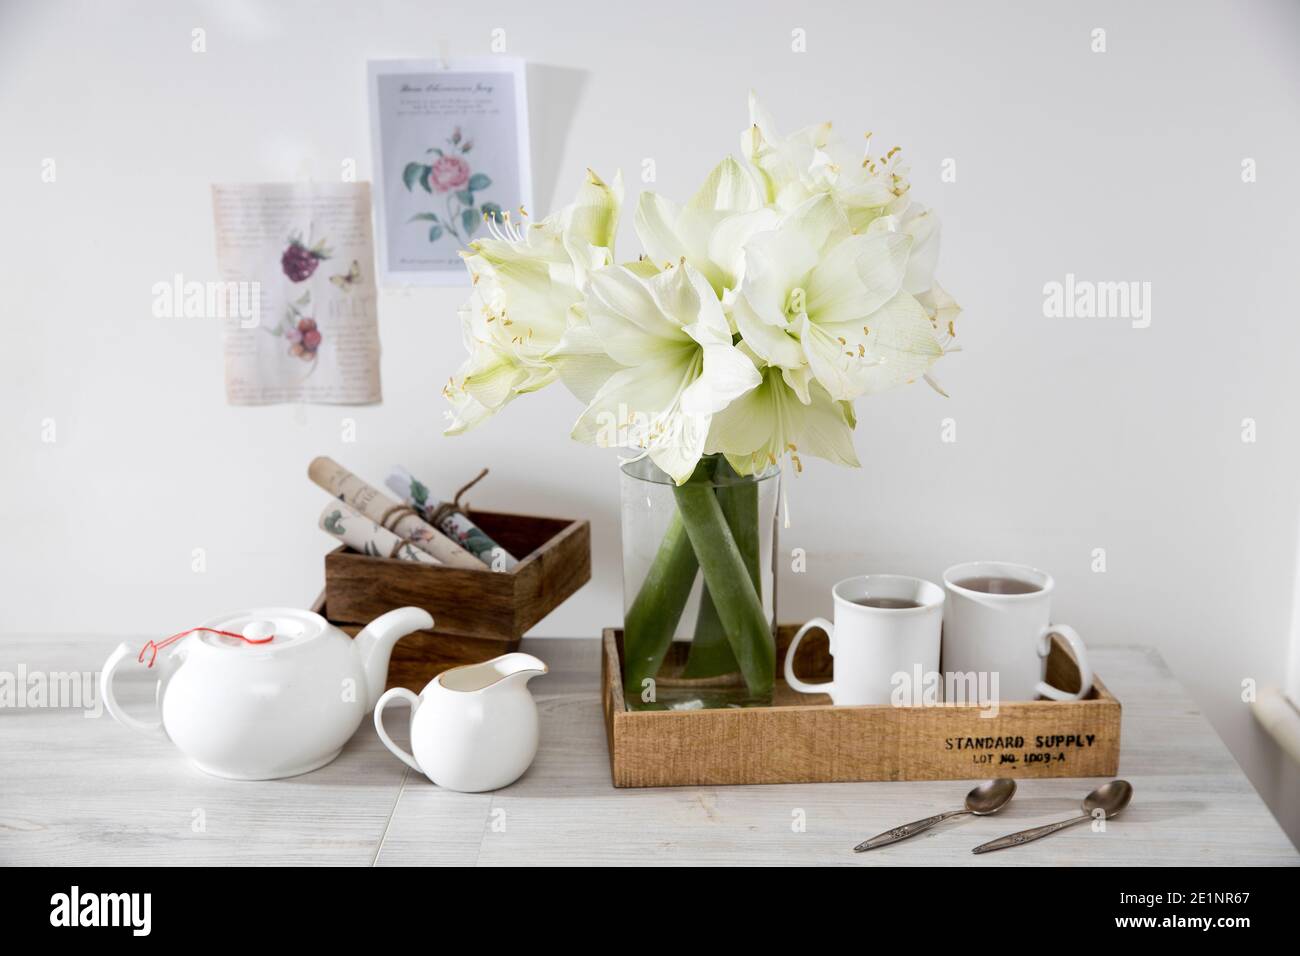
x: 1027, y: 836
x: 905, y: 831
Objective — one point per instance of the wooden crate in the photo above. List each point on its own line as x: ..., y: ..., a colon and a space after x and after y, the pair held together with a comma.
x: 478, y: 614
x: 803, y: 739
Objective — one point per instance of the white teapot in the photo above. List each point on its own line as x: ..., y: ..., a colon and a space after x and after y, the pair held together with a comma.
x: 473, y: 728
x: 267, y: 693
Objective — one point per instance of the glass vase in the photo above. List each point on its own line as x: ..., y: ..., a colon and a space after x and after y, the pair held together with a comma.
x: 699, y: 586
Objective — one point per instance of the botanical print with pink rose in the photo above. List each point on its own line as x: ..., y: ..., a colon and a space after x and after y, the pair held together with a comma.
x: 447, y: 175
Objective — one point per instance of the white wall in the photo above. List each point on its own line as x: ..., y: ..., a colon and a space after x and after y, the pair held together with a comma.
x: 1072, y: 434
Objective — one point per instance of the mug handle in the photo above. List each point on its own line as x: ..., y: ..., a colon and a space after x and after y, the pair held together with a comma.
x: 826, y: 687
x: 1080, y: 658
x: 397, y: 693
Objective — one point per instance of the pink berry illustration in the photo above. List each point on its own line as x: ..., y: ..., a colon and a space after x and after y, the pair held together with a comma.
x: 300, y: 260
x: 305, y: 338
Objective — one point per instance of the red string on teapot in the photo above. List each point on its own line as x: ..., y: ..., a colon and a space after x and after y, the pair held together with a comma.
x: 159, y: 645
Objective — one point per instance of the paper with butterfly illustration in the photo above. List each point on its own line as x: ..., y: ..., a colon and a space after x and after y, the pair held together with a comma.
x: 450, y: 147
x: 307, y: 254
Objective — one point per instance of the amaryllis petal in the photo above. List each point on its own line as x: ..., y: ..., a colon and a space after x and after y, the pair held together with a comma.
x: 771, y: 422
x: 669, y: 330
x: 656, y: 227
x: 857, y: 277
x: 923, y: 227
x: 626, y: 317
x: 901, y: 343
x: 833, y: 360
x: 777, y: 263
x: 580, y: 359
x: 727, y: 375
x: 727, y: 241
x: 771, y: 342
x: 730, y: 187
x: 592, y: 217
x: 641, y: 408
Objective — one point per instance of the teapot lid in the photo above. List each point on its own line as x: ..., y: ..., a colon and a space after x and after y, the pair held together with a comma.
x: 264, y: 630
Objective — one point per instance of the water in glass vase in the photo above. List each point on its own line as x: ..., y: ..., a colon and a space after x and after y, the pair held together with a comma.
x: 699, y: 586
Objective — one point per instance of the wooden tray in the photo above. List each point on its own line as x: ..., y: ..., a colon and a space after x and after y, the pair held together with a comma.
x: 803, y: 739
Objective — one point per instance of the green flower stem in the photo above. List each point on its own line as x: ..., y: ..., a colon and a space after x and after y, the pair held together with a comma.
x: 650, y: 622
x: 739, y: 501
x: 710, y: 653
x: 452, y: 226
x: 728, y: 581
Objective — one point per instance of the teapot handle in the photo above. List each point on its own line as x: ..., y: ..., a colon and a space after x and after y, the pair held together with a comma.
x: 110, y: 701
x: 414, y: 701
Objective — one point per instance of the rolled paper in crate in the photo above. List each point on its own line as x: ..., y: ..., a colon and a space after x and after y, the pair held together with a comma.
x: 383, y: 510
x: 366, y: 537
x: 450, y: 520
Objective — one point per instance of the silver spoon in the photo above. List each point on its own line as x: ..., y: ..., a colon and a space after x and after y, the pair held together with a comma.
x: 989, y: 797
x: 1110, y: 798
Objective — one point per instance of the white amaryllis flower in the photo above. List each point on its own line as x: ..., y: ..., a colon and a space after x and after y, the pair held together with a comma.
x: 771, y: 421
x: 526, y: 280
x: 820, y: 301
x: 792, y: 168
x: 795, y: 168
x: 710, y: 231
x: 943, y: 311
x: 791, y: 283
x: 669, y: 332
x: 487, y: 379
x: 941, y: 308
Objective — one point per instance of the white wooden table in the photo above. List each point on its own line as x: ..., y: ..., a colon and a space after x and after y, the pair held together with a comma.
x: 84, y: 790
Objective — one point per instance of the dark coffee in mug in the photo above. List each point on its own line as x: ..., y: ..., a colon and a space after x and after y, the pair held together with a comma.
x: 888, y: 603
x: 990, y: 585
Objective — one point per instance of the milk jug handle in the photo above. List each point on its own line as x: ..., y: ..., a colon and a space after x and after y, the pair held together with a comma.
x: 397, y: 693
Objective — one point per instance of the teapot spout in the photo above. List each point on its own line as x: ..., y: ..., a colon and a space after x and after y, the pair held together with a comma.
x: 375, y: 645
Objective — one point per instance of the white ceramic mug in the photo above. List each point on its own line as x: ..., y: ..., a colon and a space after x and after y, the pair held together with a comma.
x: 872, y: 644
x: 1007, y: 634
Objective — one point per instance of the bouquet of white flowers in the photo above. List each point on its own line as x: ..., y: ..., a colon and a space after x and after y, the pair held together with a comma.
x: 788, y: 286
